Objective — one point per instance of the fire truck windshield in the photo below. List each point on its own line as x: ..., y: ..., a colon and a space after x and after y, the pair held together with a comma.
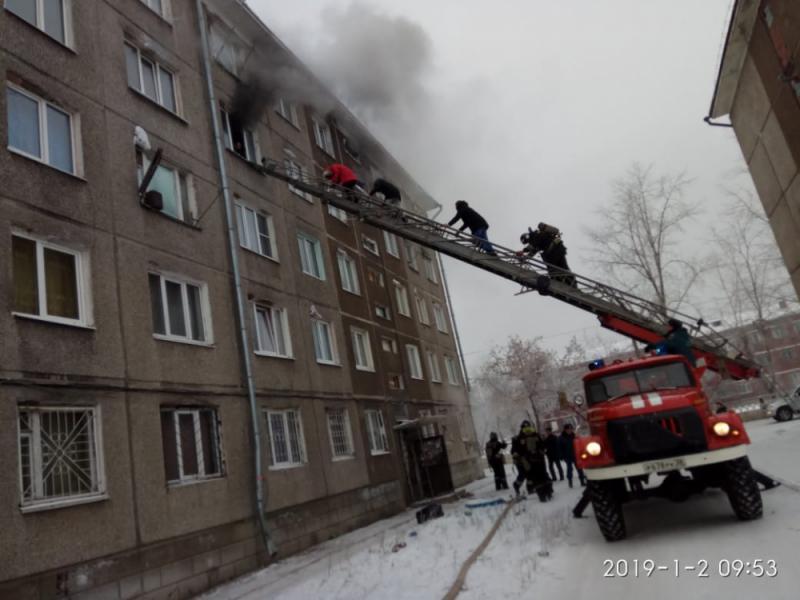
x: 667, y: 376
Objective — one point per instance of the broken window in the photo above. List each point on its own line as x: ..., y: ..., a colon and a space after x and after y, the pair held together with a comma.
x: 238, y: 138
x: 190, y: 439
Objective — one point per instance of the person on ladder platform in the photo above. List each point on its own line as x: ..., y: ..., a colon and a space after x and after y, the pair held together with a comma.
x: 389, y: 191
x: 476, y: 223
x: 343, y: 176
x: 547, y: 240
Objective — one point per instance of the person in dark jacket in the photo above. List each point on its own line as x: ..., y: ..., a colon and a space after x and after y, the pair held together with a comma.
x: 567, y: 439
x: 527, y: 448
x: 387, y: 189
x: 477, y: 225
x: 551, y: 448
x: 494, y: 456
x: 676, y: 341
x: 547, y: 240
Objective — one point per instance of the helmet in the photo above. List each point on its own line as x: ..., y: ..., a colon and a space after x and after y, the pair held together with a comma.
x: 493, y: 436
x: 674, y: 323
x: 524, y: 424
x: 461, y: 204
x: 525, y: 238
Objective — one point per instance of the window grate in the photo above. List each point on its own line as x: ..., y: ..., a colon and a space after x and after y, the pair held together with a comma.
x: 339, y: 427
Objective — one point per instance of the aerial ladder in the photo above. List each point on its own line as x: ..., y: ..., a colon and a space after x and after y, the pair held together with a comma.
x: 617, y: 310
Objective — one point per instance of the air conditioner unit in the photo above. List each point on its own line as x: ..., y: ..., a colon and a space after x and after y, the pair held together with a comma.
x: 153, y: 199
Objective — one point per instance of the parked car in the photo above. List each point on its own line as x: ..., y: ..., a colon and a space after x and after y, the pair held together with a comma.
x: 785, y: 408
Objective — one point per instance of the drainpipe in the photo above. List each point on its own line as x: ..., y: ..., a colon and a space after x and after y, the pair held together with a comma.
x: 237, y: 284
x: 453, y: 321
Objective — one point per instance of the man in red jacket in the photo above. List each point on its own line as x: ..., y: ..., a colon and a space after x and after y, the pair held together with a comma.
x: 342, y: 175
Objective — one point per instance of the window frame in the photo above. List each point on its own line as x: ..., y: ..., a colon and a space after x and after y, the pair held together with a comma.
x: 338, y: 214
x: 178, y: 175
x: 411, y: 256
x: 66, y: 22
x: 422, y: 308
x: 348, y: 266
x: 323, y: 136
x: 350, y: 453
x: 370, y: 245
x: 82, y: 284
x: 392, y: 344
x: 283, y: 322
x: 295, y: 168
x: 166, y: 9
x: 430, y: 269
x: 369, y: 364
x: 334, y: 351
x: 415, y: 364
x: 44, y: 146
x: 215, y: 441
x: 241, y: 221
x: 433, y: 366
x: 227, y: 135
x: 290, y: 114
x: 401, y: 298
x: 98, y: 467
x: 205, y: 309
x: 383, y: 447
x: 401, y: 384
x: 301, y: 440
x: 158, y: 67
x: 392, y: 245
x: 440, y: 317
x: 453, y: 377
x: 318, y: 255
x: 379, y: 308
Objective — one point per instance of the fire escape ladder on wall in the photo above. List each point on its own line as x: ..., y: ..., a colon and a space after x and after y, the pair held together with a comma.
x: 620, y: 311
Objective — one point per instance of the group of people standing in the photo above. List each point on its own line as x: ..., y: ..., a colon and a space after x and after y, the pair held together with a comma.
x: 532, y: 455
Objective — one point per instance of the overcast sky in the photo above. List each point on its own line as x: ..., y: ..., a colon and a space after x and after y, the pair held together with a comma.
x: 527, y: 109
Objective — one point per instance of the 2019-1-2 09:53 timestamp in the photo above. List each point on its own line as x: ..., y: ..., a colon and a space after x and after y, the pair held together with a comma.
x: 736, y: 567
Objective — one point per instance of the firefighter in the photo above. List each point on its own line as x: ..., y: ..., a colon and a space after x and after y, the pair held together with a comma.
x: 494, y: 456
x: 527, y: 448
x: 547, y: 240
x: 567, y: 440
x: 341, y: 175
x: 387, y: 189
x: 476, y: 223
x: 551, y: 448
x: 676, y: 341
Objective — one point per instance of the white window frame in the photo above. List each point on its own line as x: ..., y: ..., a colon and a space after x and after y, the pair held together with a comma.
x: 82, y: 283
x: 323, y: 136
x: 66, y: 9
x: 338, y: 214
x: 376, y: 432
x: 440, y: 317
x: 297, y: 171
x: 347, y: 433
x: 422, y: 308
x: 44, y: 146
x: 401, y: 384
x: 430, y: 269
x: 293, y: 462
x: 279, y: 317
x: 215, y: 441
x: 411, y: 256
x: 166, y: 11
x: 36, y: 465
x: 401, y: 297
x: 222, y: 35
x: 318, y: 256
x: 383, y: 312
x: 362, y: 346
x: 414, y: 362
x: 453, y: 377
x: 429, y: 430
x: 331, y: 336
x: 188, y: 185
x: 392, y: 246
x: 288, y: 110
x: 157, y: 69
x: 246, y: 241
x: 433, y: 367
x: 205, y: 309
x: 228, y: 139
x: 392, y: 345
x: 348, y: 272
x: 370, y: 245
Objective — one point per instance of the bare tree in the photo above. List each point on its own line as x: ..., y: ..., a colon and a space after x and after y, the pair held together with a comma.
x: 637, y: 239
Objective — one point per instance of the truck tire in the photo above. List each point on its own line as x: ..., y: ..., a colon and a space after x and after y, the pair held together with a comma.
x: 607, y: 510
x: 742, y: 489
x: 784, y: 413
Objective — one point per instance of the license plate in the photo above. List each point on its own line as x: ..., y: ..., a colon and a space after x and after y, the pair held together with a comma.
x: 667, y: 464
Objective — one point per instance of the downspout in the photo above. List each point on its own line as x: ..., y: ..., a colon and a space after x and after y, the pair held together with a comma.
x: 237, y: 284
x: 453, y: 321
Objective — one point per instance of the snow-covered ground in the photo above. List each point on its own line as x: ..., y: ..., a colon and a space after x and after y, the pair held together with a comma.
x: 541, y: 551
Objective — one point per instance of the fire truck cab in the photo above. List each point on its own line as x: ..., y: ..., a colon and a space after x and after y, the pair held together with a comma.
x: 652, y: 433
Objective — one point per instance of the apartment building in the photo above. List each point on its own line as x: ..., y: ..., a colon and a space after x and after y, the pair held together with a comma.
x: 759, y: 88
x: 142, y: 331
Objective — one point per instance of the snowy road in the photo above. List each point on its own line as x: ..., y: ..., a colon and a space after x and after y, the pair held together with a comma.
x: 541, y: 551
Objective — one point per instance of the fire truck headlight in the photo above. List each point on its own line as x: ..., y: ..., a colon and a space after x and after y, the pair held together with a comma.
x: 594, y: 448
x: 721, y: 428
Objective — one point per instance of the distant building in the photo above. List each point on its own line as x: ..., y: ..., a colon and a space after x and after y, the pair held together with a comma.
x: 759, y: 88
x: 128, y: 464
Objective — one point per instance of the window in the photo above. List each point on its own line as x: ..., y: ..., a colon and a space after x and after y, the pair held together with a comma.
x: 191, y: 444
x: 396, y: 382
x: 392, y: 246
x: 50, y: 16
x: 370, y: 245
x: 322, y: 135
x: 348, y: 272
x: 297, y: 171
x: 440, y: 317
x: 411, y: 256
x: 311, y: 261
x: 414, y: 363
x: 159, y: 7
x: 256, y: 231
x: 238, y: 138
x: 422, y: 309
x: 60, y: 454
x: 788, y: 354
x: 324, y: 342
x: 430, y: 269
x: 40, y: 130
x: 433, y: 366
x: 401, y: 296
x: 389, y: 345
x: 272, y: 332
x: 288, y: 110
x: 176, y: 189
x: 286, y: 441
x: 180, y: 309
x: 151, y: 79
x: 350, y: 149
x: 228, y: 49
x: 341, y: 435
x: 777, y: 332
x: 429, y: 429
x: 376, y: 432
x: 382, y: 311
x: 337, y: 213
x: 796, y: 326
x: 375, y: 277
x: 756, y: 336
x: 452, y: 370
x: 50, y: 282
x: 362, y: 350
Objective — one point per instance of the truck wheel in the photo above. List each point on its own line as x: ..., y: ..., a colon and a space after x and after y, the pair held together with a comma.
x: 742, y: 489
x: 607, y: 510
x: 784, y: 413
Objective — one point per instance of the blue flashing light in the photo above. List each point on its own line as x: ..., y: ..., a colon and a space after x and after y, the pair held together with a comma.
x: 661, y: 349
x: 597, y: 364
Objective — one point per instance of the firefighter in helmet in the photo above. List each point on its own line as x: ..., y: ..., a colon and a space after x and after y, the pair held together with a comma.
x: 547, y: 240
